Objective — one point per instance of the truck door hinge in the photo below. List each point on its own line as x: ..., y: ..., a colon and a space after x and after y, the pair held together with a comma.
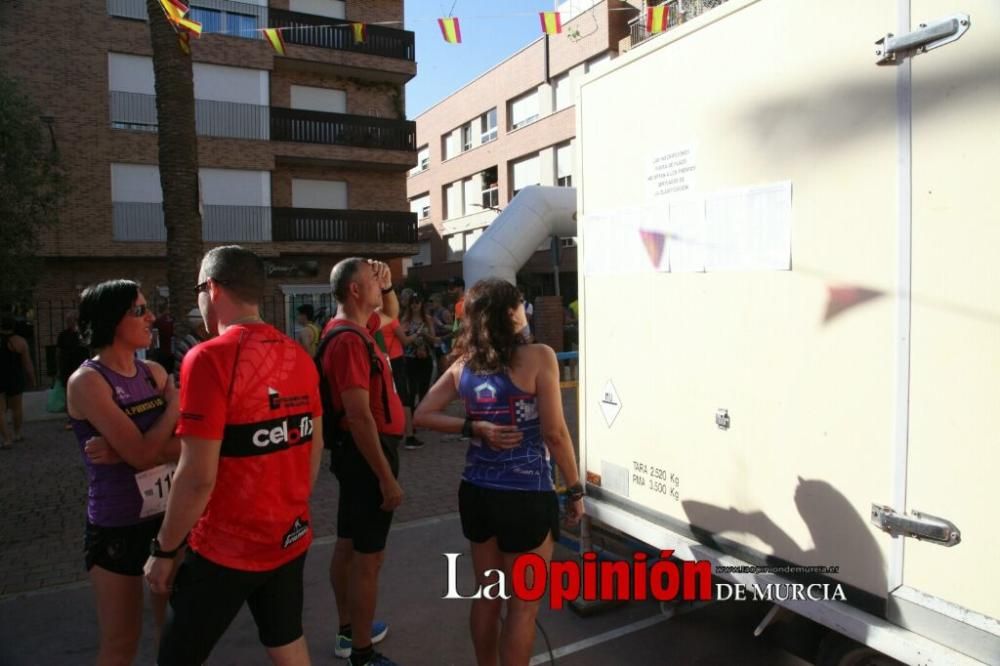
x: 892, y: 50
x: 916, y: 525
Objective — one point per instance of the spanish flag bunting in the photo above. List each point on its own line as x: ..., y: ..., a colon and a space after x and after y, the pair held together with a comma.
x: 192, y: 27
x: 450, y: 31
x: 360, y: 33
x: 273, y: 35
x: 551, y: 22
x: 184, y: 41
x: 656, y: 19
x: 173, y: 9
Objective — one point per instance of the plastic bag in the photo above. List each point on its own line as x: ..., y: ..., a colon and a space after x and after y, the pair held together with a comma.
x: 57, y: 398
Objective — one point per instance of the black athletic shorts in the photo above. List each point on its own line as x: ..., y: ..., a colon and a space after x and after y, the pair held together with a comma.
x: 120, y: 550
x: 359, y: 513
x: 519, y: 519
x: 207, y: 597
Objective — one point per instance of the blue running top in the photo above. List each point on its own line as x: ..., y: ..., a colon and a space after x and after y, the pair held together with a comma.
x: 495, y: 398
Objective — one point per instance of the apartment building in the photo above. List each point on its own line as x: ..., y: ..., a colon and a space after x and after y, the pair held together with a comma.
x: 512, y: 127
x: 303, y: 157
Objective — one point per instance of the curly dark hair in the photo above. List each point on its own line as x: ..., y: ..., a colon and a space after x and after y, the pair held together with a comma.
x: 487, y: 339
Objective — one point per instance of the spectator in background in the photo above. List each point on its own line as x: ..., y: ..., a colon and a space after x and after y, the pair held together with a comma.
x: 71, y: 352
x: 164, y: 326
x: 16, y: 374
x: 456, y: 290
x: 183, y: 344
x: 416, y: 332
x: 308, y: 334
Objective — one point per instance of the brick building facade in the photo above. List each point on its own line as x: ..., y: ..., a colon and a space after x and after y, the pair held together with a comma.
x: 302, y: 157
x: 512, y: 127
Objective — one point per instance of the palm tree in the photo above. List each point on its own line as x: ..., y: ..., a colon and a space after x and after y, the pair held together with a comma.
x: 178, y: 148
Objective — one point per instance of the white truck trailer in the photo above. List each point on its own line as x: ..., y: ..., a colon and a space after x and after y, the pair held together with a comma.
x: 789, y: 223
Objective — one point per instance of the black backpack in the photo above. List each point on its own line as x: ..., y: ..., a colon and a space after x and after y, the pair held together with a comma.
x: 333, y: 436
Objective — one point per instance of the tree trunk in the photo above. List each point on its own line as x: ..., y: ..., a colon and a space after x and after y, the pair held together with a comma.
x: 178, y: 147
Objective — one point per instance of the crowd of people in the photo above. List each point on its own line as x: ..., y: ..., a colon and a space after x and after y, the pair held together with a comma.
x: 204, y: 490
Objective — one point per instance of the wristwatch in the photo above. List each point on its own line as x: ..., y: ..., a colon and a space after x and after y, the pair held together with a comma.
x: 574, y: 492
x: 467, y: 428
x: 155, y: 550
x: 387, y: 291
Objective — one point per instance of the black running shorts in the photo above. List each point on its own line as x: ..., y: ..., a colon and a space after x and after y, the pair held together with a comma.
x: 359, y: 513
x: 519, y: 519
x: 207, y: 597
x: 120, y: 550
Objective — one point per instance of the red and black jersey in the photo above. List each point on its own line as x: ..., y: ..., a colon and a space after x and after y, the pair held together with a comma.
x: 347, y: 364
x: 257, y: 391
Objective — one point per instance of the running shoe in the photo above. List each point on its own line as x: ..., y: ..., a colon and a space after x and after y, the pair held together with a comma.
x: 413, y: 443
x: 343, y: 647
x: 379, y: 659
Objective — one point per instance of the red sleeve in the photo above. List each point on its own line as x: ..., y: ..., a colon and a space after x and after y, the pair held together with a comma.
x: 374, y: 323
x: 203, y: 396
x: 347, y: 364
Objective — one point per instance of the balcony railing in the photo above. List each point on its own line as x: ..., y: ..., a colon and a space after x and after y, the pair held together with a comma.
x: 344, y: 226
x: 328, y: 33
x: 342, y: 129
x: 134, y: 221
x: 143, y: 222
x: 238, y: 19
x: 233, y: 120
x: 241, y: 19
x: 679, y: 11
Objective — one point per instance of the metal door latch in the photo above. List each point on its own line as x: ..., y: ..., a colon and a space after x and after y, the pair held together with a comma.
x: 917, y: 525
x: 892, y: 50
x: 722, y: 419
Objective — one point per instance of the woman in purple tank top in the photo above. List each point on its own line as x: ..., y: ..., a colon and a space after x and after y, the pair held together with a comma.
x: 514, y: 422
x: 123, y: 413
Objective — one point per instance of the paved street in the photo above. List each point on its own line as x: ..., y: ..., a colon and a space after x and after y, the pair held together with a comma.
x: 47, y: 614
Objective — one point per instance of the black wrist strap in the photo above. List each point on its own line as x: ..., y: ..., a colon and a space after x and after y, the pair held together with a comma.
x: 467, y: 428
x: 574, y: 492
x: 387, y: 291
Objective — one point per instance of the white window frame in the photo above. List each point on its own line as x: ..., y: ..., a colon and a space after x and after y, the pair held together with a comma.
x: 487, y: 132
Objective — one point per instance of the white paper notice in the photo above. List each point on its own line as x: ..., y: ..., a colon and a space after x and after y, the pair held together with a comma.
x: 687, y: 235
x: 613, y: 244
x: 671, y: 172
x: 749, y: 229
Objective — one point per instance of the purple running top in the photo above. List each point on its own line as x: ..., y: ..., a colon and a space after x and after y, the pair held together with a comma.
x: 113, y: 498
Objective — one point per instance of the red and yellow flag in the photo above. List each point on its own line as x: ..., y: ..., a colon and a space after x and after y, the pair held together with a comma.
x: 175, y: 11
x: 273, y: 36
x: 360, y: 32
x: 656, y: 19
x: 551, y: 22
x: 184, y: 41
x: 450, y: 30
x: 192, y: 27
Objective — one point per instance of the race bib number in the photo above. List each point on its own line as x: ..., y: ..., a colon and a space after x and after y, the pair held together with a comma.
x: 154, y: 488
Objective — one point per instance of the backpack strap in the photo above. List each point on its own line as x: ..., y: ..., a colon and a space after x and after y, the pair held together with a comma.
x: 324, y: 386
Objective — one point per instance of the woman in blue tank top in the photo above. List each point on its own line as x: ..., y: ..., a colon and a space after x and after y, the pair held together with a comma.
x: 516, y: 428
x: 123, y: 413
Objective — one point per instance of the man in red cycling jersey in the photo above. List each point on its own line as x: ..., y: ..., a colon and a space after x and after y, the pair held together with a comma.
x: 250, y: 431
x: 357, y: 378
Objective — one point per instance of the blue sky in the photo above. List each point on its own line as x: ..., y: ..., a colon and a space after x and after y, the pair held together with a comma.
x: 491, y: 32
